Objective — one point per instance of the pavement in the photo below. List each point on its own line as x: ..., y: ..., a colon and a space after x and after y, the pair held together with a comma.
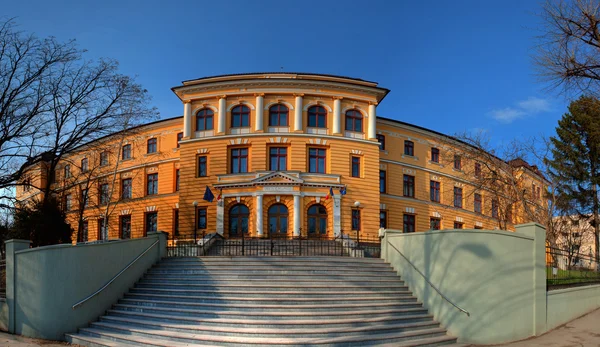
x: 581, y: 332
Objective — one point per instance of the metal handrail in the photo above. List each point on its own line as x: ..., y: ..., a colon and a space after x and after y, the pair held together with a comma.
x: 115, y: 277
x: 431, y: 284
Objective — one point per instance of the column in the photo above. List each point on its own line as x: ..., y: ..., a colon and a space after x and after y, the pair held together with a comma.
x: 259, y: 215
x: 337, y: 215
x: 259, y: 112
x: 297, y: 215
x: 220, y: 218
x: 372, y: 121
x: 337, y: 115
x: 187, y: 119
x: 222, y: 112
x: 298, y: 114
x: 12, y: 246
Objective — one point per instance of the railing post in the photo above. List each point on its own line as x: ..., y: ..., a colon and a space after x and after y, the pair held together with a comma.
x: 203, y: 242
x: 243, y: 242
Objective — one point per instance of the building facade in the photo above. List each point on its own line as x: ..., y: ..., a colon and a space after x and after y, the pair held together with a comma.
x: 282, y: 154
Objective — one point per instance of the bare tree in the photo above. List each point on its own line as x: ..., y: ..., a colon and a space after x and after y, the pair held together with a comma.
x: 568, y: 55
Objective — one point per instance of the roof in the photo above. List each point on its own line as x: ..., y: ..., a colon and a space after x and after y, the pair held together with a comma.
x: 279, y: 73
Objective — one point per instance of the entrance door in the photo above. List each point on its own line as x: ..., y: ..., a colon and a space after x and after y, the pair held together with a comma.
x: 317, y: 220
x: 238, y: 220
x: 278, y: 219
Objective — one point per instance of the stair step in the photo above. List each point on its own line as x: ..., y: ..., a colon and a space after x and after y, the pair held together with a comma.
x: 278, y: 323
x: 271, y: 281
x: 270, y: 274
x: 244, y: 286
x: 322, y: 300
x: 274, y: 259
x: 218, y: 291
x: 92, y: 341
x: 300, y: 331
x: 178, y: 338
x: 221, y: 307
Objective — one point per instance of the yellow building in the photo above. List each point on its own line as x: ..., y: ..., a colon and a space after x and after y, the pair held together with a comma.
x: 272, y: 147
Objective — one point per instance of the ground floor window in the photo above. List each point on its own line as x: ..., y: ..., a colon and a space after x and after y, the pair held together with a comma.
x: 151, y: 222
x: 202, y: 218
x: 175, y: 222
x: 317, y: 220
x: 102, y: 228
x: 435, y: 223
x: 356, y: 219
x: 383, y: 219
x: 458, y: 225
x: 125, y: 227
x: 409, y: 223
x: 84, y: 231
x: 238, y: 220
x: 278, y: 219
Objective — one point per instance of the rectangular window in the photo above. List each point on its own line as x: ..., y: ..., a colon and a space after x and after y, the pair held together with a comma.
x: 85, y: 165
x: 355, y: 219
x: 151, y: 145
x: 202, y: 166
x: 126, y: 152
x: 278, y: 158
x: 538, y: 192
x: 434, y: 191
x: 84, y: 231
x: 67, y: 171
x: 409, y: 186
x: 104, y: 194
x: 457, y: 162
x: 477, y: 203
x: 478, y: 227
x: 102, y: 228
x: 151, y: 222
x: 381, y: 140
x: 435, y: 155
x: 239, y: 160
x: 458, y: 225
x: 68, y: 202
x: 495, y: 208
x: 104, y: 158
x: 435, y: 223
x: 202, y: 217
x: 509, y: 216
x: 477, y: 170
x: 382, y: 181
x: 316, y: 160
x: 177, y: 180
x: 458, y: 196
x: 84, y: 197
x: 355, y: 166
x: 179, y: 138
x: 125, y: 227
x: 409, y: 148
x: 126, y: 188
x: 152, y: 184
x: 409, y: 223
x: 176, y: 222
x: 383, y: 219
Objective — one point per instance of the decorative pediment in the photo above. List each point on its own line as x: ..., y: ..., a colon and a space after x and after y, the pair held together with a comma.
x: 277, y: 178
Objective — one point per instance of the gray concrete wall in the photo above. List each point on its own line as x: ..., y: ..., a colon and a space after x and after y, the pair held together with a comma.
x: 570, y: 303
x: 488, y: 273
x: 50, y: 280
x: 3, y: 315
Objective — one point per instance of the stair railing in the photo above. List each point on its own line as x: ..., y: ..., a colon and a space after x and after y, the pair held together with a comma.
x: 431, y: 284
x: 115, y: 276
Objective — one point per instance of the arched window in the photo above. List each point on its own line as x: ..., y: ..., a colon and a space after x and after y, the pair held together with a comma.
x: 278, y: 115
x: 238, y: 220
x: 354, y: 121
x: 317, y: 117
x: 204, y: 119
x: 240, y: 116
x: 317, y: 220
x: 278, y: 219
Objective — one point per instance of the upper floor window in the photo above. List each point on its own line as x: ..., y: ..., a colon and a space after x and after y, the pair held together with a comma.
x: 85, y: 165
x: 84, y: 197
x: 316, y: 160
x: 495, y: 208
x: 355, y: 167
x: 409, y: 186
x: 458, y: 197
x: 382, y: 181
x: 381, y: 140
x: 177, y: 175
x: 434, y: 191
x: 26, y: 184
x: 382, y: 219
x: 151, y: 145
x: 240, y: 116
x: 409, y: 148
x: 204, y: 119
x: 68, y: 202
x: 278, y: 158
x: 477, y: 170
x: 278, y: 115
x: 354, y: 121
x: 104, y: 158
x: 317, y: 117
x: 104, y: 194
x: 477, y: 202
x: 126, y: 188
x: 152, y: 184
x: 202, y: 166
x: 239, y: 160
x: 435, y: 155
x: 179, y: 138
x: 67, y: 171
x: 126, y: 152
x: 457, y: 162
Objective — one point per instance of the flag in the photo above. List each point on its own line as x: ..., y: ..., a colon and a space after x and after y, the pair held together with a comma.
x: 208, y: 195
x: 220, y: 196
x: 343, y: 191
x: 330, y: 194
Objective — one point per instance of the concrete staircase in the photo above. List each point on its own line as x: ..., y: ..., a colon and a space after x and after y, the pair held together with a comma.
x: 274, y: 301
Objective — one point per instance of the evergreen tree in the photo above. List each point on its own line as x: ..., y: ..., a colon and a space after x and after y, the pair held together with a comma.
x: 43, y: 223
x: 575, y: 162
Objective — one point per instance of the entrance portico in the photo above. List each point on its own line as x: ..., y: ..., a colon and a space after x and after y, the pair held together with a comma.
x: 295, y: 190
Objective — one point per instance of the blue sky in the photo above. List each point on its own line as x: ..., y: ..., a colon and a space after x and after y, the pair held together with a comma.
x: 452, y: 66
